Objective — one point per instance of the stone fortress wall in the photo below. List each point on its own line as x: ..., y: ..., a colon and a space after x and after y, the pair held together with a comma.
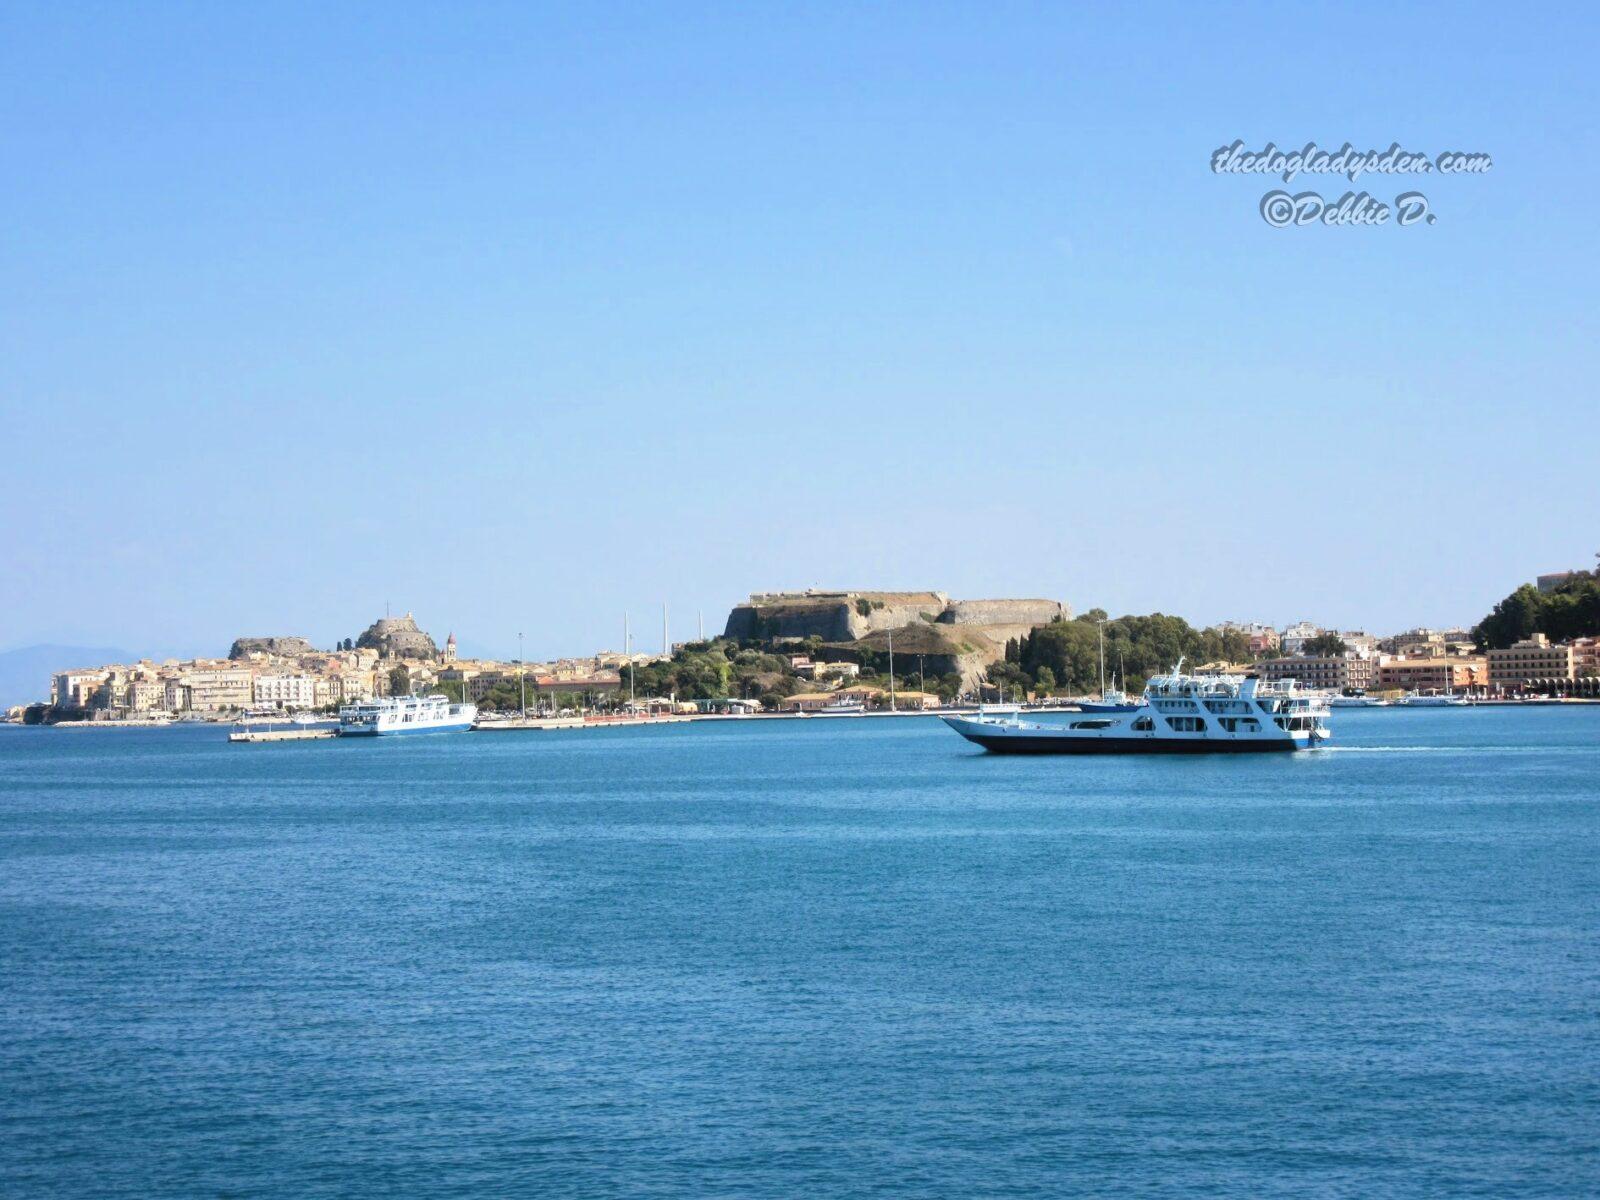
x: 952, y: 635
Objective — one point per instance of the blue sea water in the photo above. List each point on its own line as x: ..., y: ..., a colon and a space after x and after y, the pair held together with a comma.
x: 801, y: 958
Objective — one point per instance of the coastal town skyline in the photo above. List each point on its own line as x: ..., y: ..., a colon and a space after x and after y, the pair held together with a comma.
x: 685, y: 623
x: 964, y: 645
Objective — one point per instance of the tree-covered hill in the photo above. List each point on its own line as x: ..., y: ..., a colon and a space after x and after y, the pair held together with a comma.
x: 1571, y: 610
x: 1065, y: 655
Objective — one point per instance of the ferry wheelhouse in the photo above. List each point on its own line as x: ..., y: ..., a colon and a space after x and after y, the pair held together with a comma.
x: 405, y: 714
x: 1178, y: 714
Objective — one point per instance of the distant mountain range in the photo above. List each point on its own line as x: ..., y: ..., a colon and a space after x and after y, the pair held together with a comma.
x: 25, y: 672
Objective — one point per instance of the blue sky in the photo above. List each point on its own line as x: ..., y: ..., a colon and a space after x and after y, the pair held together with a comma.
x: 520, y: 316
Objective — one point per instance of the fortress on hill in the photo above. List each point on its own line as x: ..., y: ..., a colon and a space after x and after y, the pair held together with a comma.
x: 964, y: 636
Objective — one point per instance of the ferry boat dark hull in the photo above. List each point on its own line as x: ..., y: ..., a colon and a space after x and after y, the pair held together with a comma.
x: 1037, y: 744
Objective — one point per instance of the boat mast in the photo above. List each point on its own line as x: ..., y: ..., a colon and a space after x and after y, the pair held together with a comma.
x: 522, y: 685
x: 1102, y: 626
x: 627, y: 652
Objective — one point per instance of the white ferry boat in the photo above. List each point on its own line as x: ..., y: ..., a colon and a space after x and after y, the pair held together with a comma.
x: 405, y: 714
x: 1446, y: 700
x: 1357, y: 702
x: 1178, y: 714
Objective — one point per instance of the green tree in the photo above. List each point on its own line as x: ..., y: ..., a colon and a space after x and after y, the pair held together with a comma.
x: 1009, y: 678
x: 1570, y: 610
x: 1324, y: 645
x: 1136, y: 647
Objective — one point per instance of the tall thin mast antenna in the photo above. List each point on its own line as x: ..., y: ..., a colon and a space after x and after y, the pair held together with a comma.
x: 627, y: 652
x: 891, y: 671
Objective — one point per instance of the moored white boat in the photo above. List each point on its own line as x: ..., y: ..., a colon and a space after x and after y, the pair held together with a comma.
x: 842, y: 708
x: 1113, y: 700
x: 1178, y: 714
x: 1445, y: 700
x: 405, y: 714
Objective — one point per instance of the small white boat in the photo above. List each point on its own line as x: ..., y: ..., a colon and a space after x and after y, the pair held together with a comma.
x: 1113, y: 700
x: 1444, y: 700
x: 1357, y: 702
x: 843, y: 708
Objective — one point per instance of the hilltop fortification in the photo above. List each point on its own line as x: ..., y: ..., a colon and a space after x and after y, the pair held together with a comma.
x: 1005, y: 619
x: 398, y: 637
x: 952, y: 635
x: 831, y: 616
x: 282, y: 647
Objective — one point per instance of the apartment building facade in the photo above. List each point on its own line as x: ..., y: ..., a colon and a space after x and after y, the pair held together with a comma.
x: 1532, y: 659
x: 213, y: 689
x: 1433, y: 673
x: 1338, y: 673
x: 285, y: 691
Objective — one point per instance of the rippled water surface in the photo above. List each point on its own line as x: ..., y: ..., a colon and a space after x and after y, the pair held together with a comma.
x: 801, y: 958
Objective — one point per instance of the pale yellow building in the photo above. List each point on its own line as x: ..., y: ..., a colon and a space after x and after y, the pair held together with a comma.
x: 215, y: 689
x: 146, y: 695
x: 76, y: 689
x: 1433, y: 673
x: 1529, y: 660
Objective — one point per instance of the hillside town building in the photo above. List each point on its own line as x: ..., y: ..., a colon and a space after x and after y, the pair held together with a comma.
x: 1531, y: 660
x: 1436, y: 673
x: 1345, y: 673
x: 286, y: 691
